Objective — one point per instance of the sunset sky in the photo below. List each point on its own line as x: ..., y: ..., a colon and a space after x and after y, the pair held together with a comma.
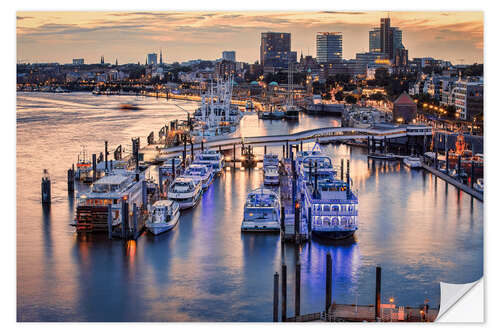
x: 129, y: 36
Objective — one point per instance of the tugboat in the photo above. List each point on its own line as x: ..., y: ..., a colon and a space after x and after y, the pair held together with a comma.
x: 334, y: 206
x: 248, y: 157
x: 262, y: 211
x: 164, y: 216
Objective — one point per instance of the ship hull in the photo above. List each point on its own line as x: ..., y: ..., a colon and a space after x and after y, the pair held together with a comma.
x: 334, y: 235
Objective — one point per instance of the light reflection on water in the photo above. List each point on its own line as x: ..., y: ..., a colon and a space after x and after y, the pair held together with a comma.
x: 418, y: 228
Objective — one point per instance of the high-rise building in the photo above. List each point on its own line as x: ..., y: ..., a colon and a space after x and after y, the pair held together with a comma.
x: 275, y: 49
x: 391, y: 38
x: 374, y: 37
x: 79, y: 61
x: 328, y: 47
x: 152, y: 59
x: 161, y: 58
x: 229, y: 55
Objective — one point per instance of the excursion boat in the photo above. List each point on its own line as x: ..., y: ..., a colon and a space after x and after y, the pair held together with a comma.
x: 271, y: 175
x: 413, y: 162
x: 262, y: 211
x: 270, y: 159
x: 185, y: 191
x: 212, y: 158
x: 92, y: 206
x: 333, y: 205
x: 164, y: 215
x: 387, y: 157
x: 203, y: 171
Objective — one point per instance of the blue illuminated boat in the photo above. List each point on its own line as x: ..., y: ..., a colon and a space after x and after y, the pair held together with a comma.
x: 333, y: 204
x: 204, y: 172
x: 262, y: 211
x: 212, y: 158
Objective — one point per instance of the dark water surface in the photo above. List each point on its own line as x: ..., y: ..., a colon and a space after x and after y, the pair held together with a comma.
x: 420, y: 230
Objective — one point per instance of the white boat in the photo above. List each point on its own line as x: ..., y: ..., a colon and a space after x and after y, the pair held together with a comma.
x: 413, y: 162
x: 271, y: 175
x: 212, y: 158
x: 217, y: 116
x: 262, y: 211
x: 164, y: 215
x: 203, y: 171
x: 479, y: 185
x: 185, y: 191
x: 270, y: 159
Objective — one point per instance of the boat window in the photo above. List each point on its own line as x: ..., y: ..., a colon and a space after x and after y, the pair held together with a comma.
x: 326, y: 208
x: 335, y: 208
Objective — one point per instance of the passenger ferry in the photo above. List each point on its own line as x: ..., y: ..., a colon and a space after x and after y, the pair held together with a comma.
x: 270, y: 159
x: 262, y: 211
x: 212, y: 158
x: 92, y: 206
x: 164, y: 215
x: 413, y: 162
x: 334, y: 206
x: 203, y: 171
x: 185, y: 191
x: 271, y: 175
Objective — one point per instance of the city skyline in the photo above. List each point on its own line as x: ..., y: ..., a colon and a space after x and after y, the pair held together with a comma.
x: 129, y: 36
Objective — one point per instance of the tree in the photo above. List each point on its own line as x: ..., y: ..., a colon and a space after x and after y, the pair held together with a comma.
x: 339, y: 96
x: 350, y: 99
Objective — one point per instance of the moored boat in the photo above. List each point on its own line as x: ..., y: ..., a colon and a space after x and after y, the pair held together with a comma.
x: 262, y: 211
x: 164, y: 215
x: 204, y: 172
x: 271, y: 175
x: 185, y: 191
x: 212, y: 158
x: 413, y: 162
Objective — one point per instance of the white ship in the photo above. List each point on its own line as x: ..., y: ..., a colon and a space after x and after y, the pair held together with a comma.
x: 271, y: 175
x: 212, y: 158
x: 204, y: 172
x: 270, y: 159
x: 216, y: 116
x: 185, y: 191
x: 262, y: 211
x: 164, y: 215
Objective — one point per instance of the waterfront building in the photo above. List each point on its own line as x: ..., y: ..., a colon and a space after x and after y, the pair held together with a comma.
x: 404, y: 109
x: 468, y: 98
x: 275, y: 49
x: 78, y: 61
x: 229, y: 55
x: 152, y: 59
x: 328, y: 47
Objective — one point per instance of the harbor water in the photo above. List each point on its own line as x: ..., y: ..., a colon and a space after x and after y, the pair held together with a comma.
x: 416, y: 227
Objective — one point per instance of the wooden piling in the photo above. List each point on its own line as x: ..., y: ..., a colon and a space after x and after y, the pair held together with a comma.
x: 297, y: 289
x: 342, y: 169
x: 328, y: 290
x: 124, y: 212
x: 276, y: 297
x: 447, y: 161
x: 134, y: 218
x: 265, y: 149
x: 283, y: 292
x: 282, y: 219
x: 110, y: 222
x: 192, y: 149
x: 71, y: 181
x: 309, y: 222
x: 94, y: 168
x: 46, y: 191
x: 106, y: 153
x: 378, y: 281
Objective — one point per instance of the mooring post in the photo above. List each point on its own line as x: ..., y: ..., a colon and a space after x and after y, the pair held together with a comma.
x: 472, y: 174
x: 309, y: 221
x: 283, y: 152
x: 234, y: 155
x: 297, y: 289
x: 94, y: 168
x: 287, y: 149
x: 184, y: 152
x: 106, y: 156
x: 173, y: 168
x: 192, y: 149
x: 282, y: 218
x: 328, y: 290
x: 447, y: 161
x: 46, y: 192
x: 265, y: 149
x: 459, y: 164
x: 283, y: 292
x: 144, y: 194
x: 71, y: 181
x: 296, y: 210
x: 276, y: 297
x: 110, y: 222
x: 160, y: 180
x: 378, y: 281
x: 301, y: 145
x: 134, y: 218
x: 124, y: 217
x: 348, y: 175
x: 202, y: 146
x: 342, y: 169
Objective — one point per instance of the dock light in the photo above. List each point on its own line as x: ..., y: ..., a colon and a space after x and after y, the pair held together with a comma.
x: 425, y: 105
x: 391, y: 300
x: 125, y: 197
